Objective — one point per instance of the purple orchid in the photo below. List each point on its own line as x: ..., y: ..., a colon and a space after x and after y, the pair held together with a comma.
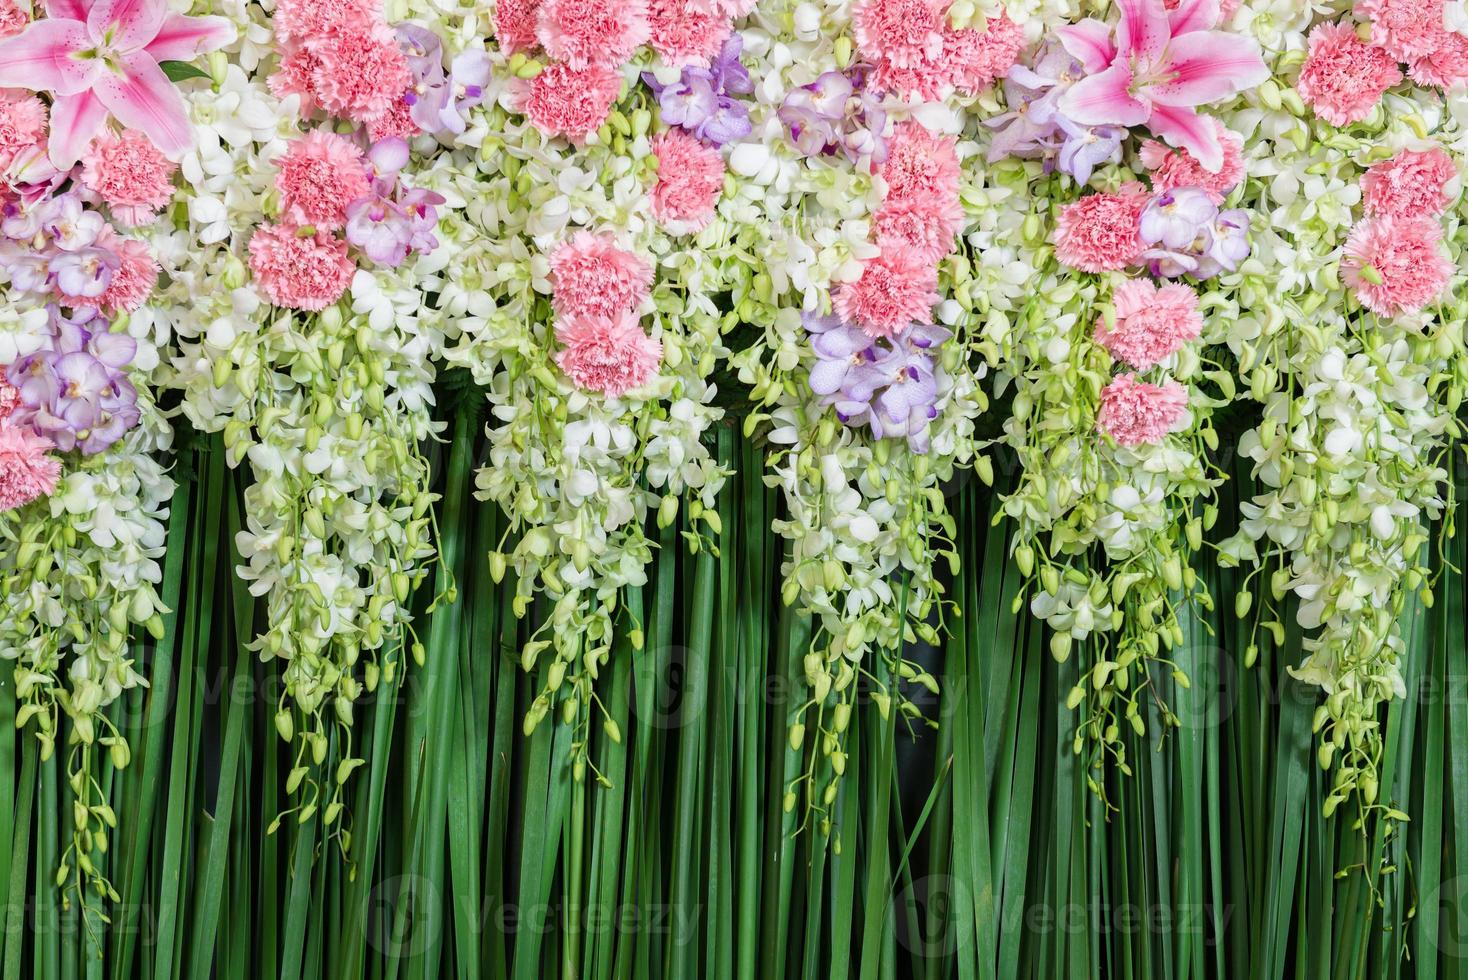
x: 84, y: 272
x: 1030, y: 128
x: 1087, y: 147
x: 101, y: 58
x: 1174, y: 219
x: 700, y: 103
x: 1155, y: 67
x: 1186, y: 234
x: 835, y: 114
x: 468, y: 78
x: 74, y: 399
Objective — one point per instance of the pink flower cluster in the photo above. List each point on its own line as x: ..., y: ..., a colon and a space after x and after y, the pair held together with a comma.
x: 341, y: 56
x: 300, y: 270
x: 1343, y: 77
x: 1134, y: 412
x: 1171, y: 169
x: 598, y: 288
x: 130, y: 174
x: 1414, y: 32
x: 28, y: 471
x: 1101, y: 232
x: 13, y: 20
x: 1393, y: 260
x: 914, y: 227
x: 22, y: 127
x: 915, y: 51
x: 690, y: 180
x: 319, y: 176
x: 1152, y: 322
x: 683, y: 34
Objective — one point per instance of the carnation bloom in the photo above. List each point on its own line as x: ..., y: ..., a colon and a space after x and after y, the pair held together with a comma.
x: 27, y: 469
x: 690, y: 180
x: 1446, y: 66
x: 22, y: 126
x: 300, y: 272
x: 1395, y: 265
x: 1405, y: 29
x: 395, y: 121
x: 9, y: 398
x: 1344, y: 77
x: 920, y: 164
x: 591, y: 32
x: 1135, y: 412
x: 514, y: 25
x: 13, y: 20
x: 922, y: 225
x: 900, y: 32
x: 294, y: 76
x: 1172, y: 169
x: 130, y: 174
x: 968, y: 61
x: 607, y: 354
x: 357, y: 73
x: 1409, y: 184
x: 593, y: 277
x: 684, y: 36
x: 320, y: 174
x: 562, y: 101
x: 1101, y: 232
x: 301, y: 20
x: 896, y: 289
x: 132, y: 281
x: 1152, y: 322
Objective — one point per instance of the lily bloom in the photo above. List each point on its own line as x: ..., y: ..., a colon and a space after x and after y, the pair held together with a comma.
x: 1155, y: 67
x: 100, y: 58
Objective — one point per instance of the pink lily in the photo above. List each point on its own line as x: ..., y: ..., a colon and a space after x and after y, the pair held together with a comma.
x: 100, y: 58
x: 1158, y: 67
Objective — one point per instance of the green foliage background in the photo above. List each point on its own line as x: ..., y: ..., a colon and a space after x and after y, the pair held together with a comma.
x: 971, y: 847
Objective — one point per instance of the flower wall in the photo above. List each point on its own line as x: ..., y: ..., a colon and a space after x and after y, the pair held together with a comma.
x: 902, y: 242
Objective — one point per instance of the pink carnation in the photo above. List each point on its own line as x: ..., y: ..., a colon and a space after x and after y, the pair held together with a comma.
x: 321, y: 174
x: 607, y: 354
x: 514, y: 25
x: 130, y: 174
x: 300, y: 272
x: 900, y: 32
x: 22, y: 126
x: 592, y: 32
x: 132, y: 282
x: 1406, y: 29
x: 593, y: 277
x: 296, y: 76
x: 13, y: 20
x: 1101, y: 232
x: 27, y: 469
x: 920, y: 164
x: 1152, y: 322
x: 690, y: 180
x: 562, y: 101
x: 358, y: 72
x: 9, y: 399
x: 921, y: 225
x: 1403, y: 254
x: 1172, y: 168
x: 1445, y: 67
x: 1344, y: 77
x: 395, y: 120
x: 1134, y: 412
x: 684, y: 36
x: 302, y: 20
x: 967, y: 61
x: 896, y: 289
x: 732, y: 9
x: 1409, y: 184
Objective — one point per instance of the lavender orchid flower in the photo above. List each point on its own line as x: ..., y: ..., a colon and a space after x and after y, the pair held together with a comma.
x: 1087, y: 147
x: 836, y: 114
x: 85, y: 272
x: 468, y: 79
x: 697, y: 103
x: 1175, y: 218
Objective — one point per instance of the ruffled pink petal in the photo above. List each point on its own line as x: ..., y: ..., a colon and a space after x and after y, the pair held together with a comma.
x: 1194, y: 15
x: 1186, y: 130
x: 1207, y: 66
x: 135, y: 22
x: 40, y: 58
x: 185, y: 38
x: 1105, y: 99
x: 75, y: 119
x: 1089, y: 42
x: 143, y: 98
x: 1144, y: 29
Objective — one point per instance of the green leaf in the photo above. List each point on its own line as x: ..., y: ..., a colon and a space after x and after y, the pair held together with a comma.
x: 179, y: 71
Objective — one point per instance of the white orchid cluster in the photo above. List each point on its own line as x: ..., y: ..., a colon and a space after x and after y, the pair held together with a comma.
x: 1356, y: 441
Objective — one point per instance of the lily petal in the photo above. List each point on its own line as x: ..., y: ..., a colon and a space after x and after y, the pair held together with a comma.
x: 143, y: 98
x: 75, y: 119
x: 135, y: 22
x: 184, y: 38
x: 1144, y: 29
x: 1105, y: 99
x: 42, y: 58
x: 1194, y: 15
x: 1206, y: 66
x: 1089, y: 42
x: 1185, y: 129
x: 68, y: 9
